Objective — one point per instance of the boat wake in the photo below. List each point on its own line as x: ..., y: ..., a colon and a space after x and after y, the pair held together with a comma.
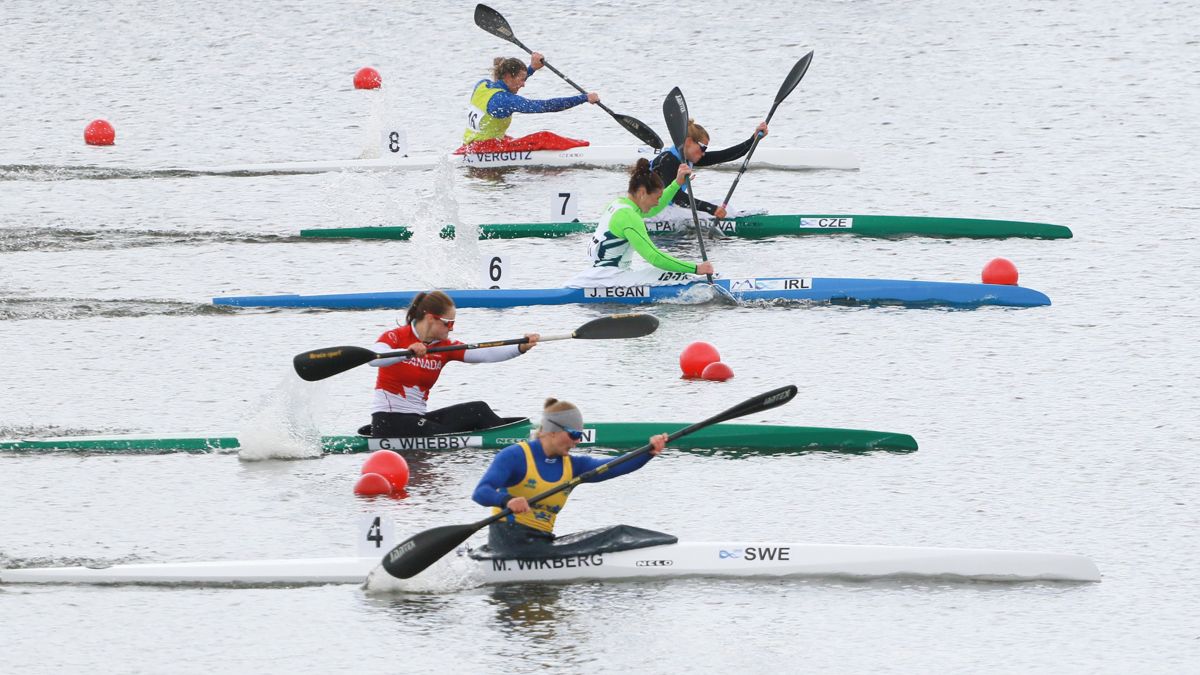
x: 54, y: 239
x: 54, y: 172
x: 68, y: 309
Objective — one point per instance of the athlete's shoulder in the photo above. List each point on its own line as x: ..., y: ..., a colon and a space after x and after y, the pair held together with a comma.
x: 398, y: 337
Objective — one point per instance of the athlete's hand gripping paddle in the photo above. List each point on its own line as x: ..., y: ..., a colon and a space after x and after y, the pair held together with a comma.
x: 319, y: 364
x: 411, y: 556
x: 493, y: 22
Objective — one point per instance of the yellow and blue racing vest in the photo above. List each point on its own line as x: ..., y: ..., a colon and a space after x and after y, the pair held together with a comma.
x: 480, y: 125
x: 542, y: 514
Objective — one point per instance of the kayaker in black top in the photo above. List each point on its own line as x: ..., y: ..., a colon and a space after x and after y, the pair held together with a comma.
x: 695, y: 148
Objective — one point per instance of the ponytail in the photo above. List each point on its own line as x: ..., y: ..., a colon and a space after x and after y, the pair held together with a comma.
x: 431, y: 302
x: 641, y: 176
x: 504, y: 67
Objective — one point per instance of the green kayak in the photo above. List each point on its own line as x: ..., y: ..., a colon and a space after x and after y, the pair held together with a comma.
x: 613, y: 435
x: 753, y: 227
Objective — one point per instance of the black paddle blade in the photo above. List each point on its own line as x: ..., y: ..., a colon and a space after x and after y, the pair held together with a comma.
x: 322, y: 363
x: 410, y: 557
x: 639, y: 128
x: 617, y: 326
x: 492, y: 21
x: 771, y: 399
x: 794, y: 77
x: 675, y: 111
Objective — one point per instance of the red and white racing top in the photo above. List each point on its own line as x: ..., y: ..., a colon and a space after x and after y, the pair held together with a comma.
x: 403, y: 384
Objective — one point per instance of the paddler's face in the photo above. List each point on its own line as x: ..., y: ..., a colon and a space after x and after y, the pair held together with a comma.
x: 558, y: 443
x: 693, y: 150
x: 646, y: 199
x: 515, y: 82
x: 438, y: 326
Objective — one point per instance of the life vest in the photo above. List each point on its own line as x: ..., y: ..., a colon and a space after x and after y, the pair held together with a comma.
x: 542, y: 514
x: 480, y: 125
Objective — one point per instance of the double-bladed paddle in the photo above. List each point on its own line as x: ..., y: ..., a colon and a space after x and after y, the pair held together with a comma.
x: 786, y: 88
x: 413, y: 555
x: 319, y: 364
x: 493, y: 22
x: 676, y: 113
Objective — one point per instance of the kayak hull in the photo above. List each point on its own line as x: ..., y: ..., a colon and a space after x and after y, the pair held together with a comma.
x: 810, y: 289
x: 751, y: 227
x: 706, y: 559
x: 753, y: 438
x: 797, y: 159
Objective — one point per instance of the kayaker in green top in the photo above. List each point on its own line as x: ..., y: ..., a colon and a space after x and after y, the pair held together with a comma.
x: 621, y: 237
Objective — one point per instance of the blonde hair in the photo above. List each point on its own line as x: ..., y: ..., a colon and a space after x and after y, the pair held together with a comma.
x: 505, y: 67
x: 697, y: 132
x: 555, y: 405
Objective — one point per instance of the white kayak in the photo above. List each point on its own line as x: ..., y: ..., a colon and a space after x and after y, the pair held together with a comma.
x: 585, y: 156
x: 708, y: 559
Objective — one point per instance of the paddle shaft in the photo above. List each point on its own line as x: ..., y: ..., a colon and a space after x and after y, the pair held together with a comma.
x: 789, y: 84
x: 493, y: 22
x: 474, y: 345
x: 758, y: 136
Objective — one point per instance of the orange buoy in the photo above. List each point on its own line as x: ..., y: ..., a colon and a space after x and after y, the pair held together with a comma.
x: 1000, y: 271
x: 99, y: 132
x: 371, y: 484
x: 717, y: 372
x: 390, y: 465
x: 696, y: 357
x: 367, y: 78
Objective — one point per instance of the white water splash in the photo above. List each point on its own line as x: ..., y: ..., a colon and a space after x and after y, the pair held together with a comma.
x: 283, y: 424
x: 453, y: 573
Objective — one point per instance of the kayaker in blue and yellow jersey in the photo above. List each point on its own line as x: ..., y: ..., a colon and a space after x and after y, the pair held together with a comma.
x: 529, y: 468
x: 621, y: 238
x: 696, y: 152
x: 494, y: 101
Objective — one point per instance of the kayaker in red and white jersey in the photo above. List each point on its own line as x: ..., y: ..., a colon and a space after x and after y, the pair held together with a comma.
x: 696, y: 153
x: 402, y: 388
x: 494, y: 101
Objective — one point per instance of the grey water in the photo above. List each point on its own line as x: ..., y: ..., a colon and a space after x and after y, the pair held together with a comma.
x: 1069, y: 428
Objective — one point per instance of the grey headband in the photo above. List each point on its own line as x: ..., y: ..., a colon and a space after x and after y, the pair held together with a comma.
x: 559, y: 420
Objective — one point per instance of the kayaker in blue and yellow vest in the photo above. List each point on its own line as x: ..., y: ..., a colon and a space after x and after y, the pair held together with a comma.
x: 493, y: 102
x: 529, y: 468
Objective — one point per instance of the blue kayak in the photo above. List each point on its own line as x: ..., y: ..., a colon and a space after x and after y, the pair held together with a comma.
x: 834, y: 291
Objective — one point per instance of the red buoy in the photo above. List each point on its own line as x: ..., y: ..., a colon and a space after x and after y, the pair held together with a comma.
x: 717, y: 372
x: 695, y: 357
x: 99, y: 132
x: 372, y: 484
x: 1000, y: 271
x: 367, y: 78
x: 388, y: 464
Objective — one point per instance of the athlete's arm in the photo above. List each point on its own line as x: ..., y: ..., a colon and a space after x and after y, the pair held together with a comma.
x: 504, y: 104
x: 727, y: 155
x: 630, y: 227
x: 584, y: 463
x: 507, y: 468
x: 492, y: 354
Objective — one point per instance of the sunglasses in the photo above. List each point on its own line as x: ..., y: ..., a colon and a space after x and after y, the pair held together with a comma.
x: 703, y: 147
x: 448, y: 323
x: 575, y: 434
